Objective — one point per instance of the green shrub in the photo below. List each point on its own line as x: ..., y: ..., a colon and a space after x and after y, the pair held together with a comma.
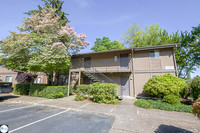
x: 172, y: 99
x: 36, y: 88
x: 163, y: 85
x: 98, y: 92
x: 21, y: 88
x: 159, y: 104
x: 195, y: 85
x: 42, y: 90
x: 196, y: 108
x: 142, y: 103
x: 53, y: 92
x: 186, y: 92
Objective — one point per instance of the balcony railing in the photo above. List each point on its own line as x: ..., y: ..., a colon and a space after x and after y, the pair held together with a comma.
x: 103, y: 65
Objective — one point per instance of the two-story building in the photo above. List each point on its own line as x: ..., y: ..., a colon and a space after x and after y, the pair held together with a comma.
x: 129, y: 68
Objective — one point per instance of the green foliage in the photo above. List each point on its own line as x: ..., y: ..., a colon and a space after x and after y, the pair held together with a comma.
x: 105, y: 44
x: 36, y: 88
x: 41, y: 90
x: 186, y: 91
x: 187, y: 54
x: 21, y: 88
x: 163, y: 85
x: 142, y: 103
x: 98, y: 92
x: 56, y: 4
x: 196, y: 108
x: 172, y: 99
x: 50, y: 92
x: 195, y: 85
x: 159, y: 104
x: 152, y: 35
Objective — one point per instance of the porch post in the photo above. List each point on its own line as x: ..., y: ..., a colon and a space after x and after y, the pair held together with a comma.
x: 69, y: 83
x: 79, y: 77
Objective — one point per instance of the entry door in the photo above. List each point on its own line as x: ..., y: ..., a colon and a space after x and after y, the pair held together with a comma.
x: 125, y: 87
x: 124, y: 60
x: 87, y: 63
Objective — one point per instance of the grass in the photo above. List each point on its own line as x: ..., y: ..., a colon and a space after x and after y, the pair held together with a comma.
x: 159, y: 104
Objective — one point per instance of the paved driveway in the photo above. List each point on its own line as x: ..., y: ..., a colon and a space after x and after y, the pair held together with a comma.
x: 23, y: 118
x: 127, y: 117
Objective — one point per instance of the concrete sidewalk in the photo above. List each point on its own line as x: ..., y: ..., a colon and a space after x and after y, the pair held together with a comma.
x: 128, y: 118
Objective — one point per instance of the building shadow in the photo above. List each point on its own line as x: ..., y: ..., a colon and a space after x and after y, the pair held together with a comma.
x: 170, y: 129
x: 6, y: 97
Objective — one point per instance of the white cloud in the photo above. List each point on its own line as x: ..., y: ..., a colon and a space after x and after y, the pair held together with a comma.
x: 109, y: 21
x: 84, y: 3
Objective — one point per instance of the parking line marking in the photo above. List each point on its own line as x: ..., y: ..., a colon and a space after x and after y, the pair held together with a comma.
x: 84, y: 105
x: 16, y: 108
x: 37, y: 121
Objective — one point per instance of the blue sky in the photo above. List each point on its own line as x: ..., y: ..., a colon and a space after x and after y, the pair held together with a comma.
x: 111, y: 18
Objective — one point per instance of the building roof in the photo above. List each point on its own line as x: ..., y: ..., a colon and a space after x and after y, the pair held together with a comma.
x: 133, y: 48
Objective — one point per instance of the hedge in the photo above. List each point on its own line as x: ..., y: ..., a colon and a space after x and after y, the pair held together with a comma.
x: 41, y: 90
x: 159, y: 104
x: 21, y: 88
x: 98, y: 92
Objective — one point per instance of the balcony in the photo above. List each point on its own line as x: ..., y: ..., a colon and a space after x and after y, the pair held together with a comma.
x: 102, y: 65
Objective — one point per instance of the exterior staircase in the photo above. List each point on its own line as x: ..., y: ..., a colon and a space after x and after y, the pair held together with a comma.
x: 93, y: 78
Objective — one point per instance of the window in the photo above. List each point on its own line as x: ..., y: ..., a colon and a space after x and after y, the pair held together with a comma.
x: 154, y: 54
x: 0, y: 78
x: 8, y: 79
x: 37, y: 80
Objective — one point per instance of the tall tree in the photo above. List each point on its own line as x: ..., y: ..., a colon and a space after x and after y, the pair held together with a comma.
x: 105, y: 44
x: 55, y: 4
x: 42, y: 45
x: 151, y: 36
x: 187, y: 54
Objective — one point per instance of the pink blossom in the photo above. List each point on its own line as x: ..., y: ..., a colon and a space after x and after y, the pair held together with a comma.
x: 86, y: 43
x: 82, y: 36
x: 56, y: 44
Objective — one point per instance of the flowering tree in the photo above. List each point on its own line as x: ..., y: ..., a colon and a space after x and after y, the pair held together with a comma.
x: 42, y: 45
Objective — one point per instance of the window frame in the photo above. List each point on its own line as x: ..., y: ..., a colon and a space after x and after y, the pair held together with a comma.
x: 155, y: 56
x: 9, y: 79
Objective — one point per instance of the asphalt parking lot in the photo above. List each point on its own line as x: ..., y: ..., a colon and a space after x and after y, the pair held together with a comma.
x: 25, y: 118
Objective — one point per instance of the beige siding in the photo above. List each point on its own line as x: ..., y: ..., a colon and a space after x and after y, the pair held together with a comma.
x: 142, y: 60
x: 116, y: 77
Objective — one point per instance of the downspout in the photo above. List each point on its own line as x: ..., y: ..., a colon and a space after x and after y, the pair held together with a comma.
x: 176, y: 72
x: 133, y: 75
x: 69, y: 83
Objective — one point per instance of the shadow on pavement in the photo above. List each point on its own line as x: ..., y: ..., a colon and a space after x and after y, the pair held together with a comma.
x: 5, y: 97
x: 170, y: 129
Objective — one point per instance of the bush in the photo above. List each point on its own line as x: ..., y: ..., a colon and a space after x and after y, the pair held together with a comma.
x: 196, y: 108
x: 195, y: 85
x: 163, y: 85
x: 36, y: 88
x: 98, y: 92
x: 186, y: 91
x: 21, y: 88
x: 172, y: 99
x: 42, y: 90
x: 159, y: 104
x: 142, y: 103
x: 53, y: 92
